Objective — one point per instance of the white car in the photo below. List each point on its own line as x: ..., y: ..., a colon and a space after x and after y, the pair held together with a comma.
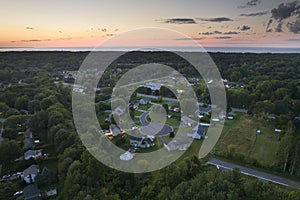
x: 18, y: 193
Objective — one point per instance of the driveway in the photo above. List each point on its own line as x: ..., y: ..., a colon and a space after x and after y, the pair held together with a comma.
x: 251, y: 172
x: 233, y: 110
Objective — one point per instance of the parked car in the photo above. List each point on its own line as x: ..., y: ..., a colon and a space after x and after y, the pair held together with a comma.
x: 18, y: 193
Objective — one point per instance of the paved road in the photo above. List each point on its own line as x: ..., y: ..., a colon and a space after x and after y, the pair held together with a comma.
x: 155, y: 97
x: 251, y: 172
x: 143, y: 119
x: 158, y: 130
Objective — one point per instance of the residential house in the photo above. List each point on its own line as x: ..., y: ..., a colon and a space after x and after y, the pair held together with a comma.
x: 205, y: 110
x: 139, y: 141
x: 28, y: 139
x: 153, y: 86
x: 114, y: 130
x: 134, y: 104
x: 32, y: 192
x: 178, y: 144
x: 23, y: 111
x: 198, y: 133
x: 35, y: 154
x: 52, y: 192
x: 188, y: 121
x: 175, y: 109
x: 145, y: 101
x: 30, y: 173
x: 231, y: 86
x: 120, y: 110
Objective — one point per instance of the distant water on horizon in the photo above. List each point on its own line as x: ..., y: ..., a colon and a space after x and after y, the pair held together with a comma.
x: 181, y: 49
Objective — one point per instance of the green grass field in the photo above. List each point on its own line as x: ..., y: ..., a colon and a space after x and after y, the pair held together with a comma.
x: 241, y: 133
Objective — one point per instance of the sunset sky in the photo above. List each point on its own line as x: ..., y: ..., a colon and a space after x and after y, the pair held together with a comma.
x: 74, y: 23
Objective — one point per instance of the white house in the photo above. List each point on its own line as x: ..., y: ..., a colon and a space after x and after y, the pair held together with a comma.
x: 180, y: 145
x: 120, y: 110
x: 145, y: 101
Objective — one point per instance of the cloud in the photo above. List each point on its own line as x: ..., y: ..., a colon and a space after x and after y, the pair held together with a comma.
x: 207, y: 33
x: 293, y: 40
x: 244, y: 28
x: 216, y: 19
x: 254, y: 14
x: 231, y: 33
x: 179, y: 21
x: 278, y: 29
x: 269, y: 30
x: 211, y: 33
x: 219, y: 32
x: 223, y: 37
x: 29, y: 28
x: 201, y: 38
x: 268, y: 26
x: 285, y: 11
x: 252, y: 3
x: 294, y: 27
x: 68, y: 38
x: 33, y: 40
x: 40, y: 40
x: 285, y: 15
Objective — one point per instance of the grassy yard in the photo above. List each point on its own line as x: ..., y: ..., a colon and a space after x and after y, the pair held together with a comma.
x: 145, y: 107
x: 137, y: 113
x: 240, y: 133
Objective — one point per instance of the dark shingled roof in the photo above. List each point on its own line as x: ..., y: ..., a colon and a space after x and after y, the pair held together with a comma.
x: 31, y: 192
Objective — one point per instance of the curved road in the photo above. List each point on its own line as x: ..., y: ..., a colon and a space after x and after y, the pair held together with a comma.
x: 156, y: 129
x: 251, y: 172
x: 143, y: 119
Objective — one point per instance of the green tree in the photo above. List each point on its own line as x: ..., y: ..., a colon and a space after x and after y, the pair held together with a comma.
x: 10, y: 133
x: 3, y: 108
x: 22, y: 103
x: 47, y: 102
x: 34, y: 106
x: 39, y: 121
x: 9, y: 151
x: 166, y: 107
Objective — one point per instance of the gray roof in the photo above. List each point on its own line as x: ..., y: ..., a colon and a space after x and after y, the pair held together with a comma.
x: 28, y: 143
x: 29, y: 153
x: 205, y: 109
x: 32, y: 153
x: 33, y: 169
x: 31, y: 192
x: 146, y: 99
x: 115, y: 129
x: 201, y: 130
x: 136, y: 137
